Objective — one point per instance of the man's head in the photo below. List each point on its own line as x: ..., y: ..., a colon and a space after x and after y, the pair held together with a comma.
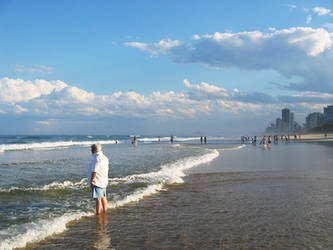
x: 97, y: 147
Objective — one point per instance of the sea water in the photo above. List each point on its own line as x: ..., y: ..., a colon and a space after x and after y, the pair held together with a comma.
x: 44, y: 178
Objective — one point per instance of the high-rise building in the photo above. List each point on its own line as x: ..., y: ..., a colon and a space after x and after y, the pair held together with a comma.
x: 313, y: 120
x: 285, y: 119
x: 328, y: 114
x: 278, y: 124
x: 291, y: 122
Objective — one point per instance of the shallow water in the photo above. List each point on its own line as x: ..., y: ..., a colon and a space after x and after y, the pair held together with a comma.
x: 44, y: 188
x: 250, y: 198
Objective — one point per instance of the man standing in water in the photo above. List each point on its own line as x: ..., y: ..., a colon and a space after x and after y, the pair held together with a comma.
x: 98, y: 177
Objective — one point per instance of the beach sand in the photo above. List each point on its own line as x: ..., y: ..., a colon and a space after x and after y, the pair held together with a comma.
x: 252, y: 198
x: 316, y: 137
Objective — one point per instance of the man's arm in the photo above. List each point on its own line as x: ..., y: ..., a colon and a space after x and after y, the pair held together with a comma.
x: 92, y: 180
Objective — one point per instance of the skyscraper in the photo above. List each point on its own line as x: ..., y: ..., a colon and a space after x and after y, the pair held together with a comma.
x: 328, y: 114
x: 285, y: 119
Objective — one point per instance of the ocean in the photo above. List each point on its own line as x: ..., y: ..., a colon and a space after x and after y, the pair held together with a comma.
x: 44, y: 178
x: 185, y: 195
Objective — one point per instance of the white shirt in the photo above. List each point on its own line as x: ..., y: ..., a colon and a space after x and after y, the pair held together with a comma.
x: 100, y: 165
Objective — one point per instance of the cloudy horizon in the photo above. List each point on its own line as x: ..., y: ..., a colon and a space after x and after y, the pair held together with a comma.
x: 208, y: 81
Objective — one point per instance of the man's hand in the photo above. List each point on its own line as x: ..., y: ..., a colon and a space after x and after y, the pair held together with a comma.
x: 92, y: 180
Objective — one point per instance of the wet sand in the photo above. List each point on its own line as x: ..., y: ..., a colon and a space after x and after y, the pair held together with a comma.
x: 255, y: 206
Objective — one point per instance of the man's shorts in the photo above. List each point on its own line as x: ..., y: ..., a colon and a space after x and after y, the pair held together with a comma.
x: 98, y: 192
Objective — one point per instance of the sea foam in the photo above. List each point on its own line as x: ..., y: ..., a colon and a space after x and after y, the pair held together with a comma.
x: 172, y: 172
x: 19, y: 235
x: 51, y: 145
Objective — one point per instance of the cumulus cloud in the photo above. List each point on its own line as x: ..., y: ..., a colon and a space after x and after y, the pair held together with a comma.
x: 18, y: 90
x: 303, y: 52
x: 207, y: 89
x: 320, y: 11
x: 161, y: 47
x: 39, y: 69
x: 51, y: 102
x: 55, y: 98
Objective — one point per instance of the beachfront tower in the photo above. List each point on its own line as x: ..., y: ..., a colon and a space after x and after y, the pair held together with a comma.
x: 314, y: 120
x: 291, y: 121
x: 278, y: 124
x: 328, y: 114
x: 285, y: 119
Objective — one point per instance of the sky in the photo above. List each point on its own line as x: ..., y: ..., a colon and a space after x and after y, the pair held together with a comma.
x: 158, y: 67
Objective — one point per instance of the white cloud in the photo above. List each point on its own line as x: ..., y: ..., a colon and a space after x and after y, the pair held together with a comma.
x: 161, y: 47
x: 51, y: 102
x: 303, y: 52
x: 320, y: 11
x: 308, y: 19
x: 18, y: 109
x: 39, y: 69
x: 292, y: 7
x: 196, y: 37
x: 18, y: 90
x: 56, y: 98
x: 44, y: 123
x: 207, y: 89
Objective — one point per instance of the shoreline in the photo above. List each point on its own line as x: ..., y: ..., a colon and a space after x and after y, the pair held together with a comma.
x: 316, y: 137
x: 221, y: 204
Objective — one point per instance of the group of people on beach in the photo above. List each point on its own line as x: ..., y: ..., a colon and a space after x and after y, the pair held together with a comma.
x: 203, y: 140
x: 269, y: 139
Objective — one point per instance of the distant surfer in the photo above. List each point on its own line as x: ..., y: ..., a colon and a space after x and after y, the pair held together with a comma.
x: 98, y: 177
x: 205, y: 140
x: 171, y: 139
x: 201, y: 139
x: 159, y: 140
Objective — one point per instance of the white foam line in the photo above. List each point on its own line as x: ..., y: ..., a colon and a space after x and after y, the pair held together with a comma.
x: 52, y: 186
x: 39, y: 230
x: 235, y: 148
x: 48, y: 145
x: 172, y: 172
x: 136, y: 196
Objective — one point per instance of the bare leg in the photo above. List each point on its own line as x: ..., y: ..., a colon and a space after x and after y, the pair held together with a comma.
x: 105, y: 204
x: 98, y: 206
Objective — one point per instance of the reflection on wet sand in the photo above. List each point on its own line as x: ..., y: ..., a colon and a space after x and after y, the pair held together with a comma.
x: 102, y: 240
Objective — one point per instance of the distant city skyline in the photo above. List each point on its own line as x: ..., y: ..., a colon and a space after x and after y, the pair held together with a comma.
x: 162, y: 67
x: 287, y: 124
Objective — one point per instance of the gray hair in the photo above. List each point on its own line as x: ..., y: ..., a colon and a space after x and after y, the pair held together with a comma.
x: 97, y: 147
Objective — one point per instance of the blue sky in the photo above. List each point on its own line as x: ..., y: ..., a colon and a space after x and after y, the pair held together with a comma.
x: 162, y: 67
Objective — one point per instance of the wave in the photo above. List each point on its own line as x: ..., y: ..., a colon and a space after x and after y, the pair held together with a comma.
x: 234, y: 148
x: 19, y: 235
x: 168, y: 174
x: 172, y: 172
x: 52, y: 186
x: 50, y: 145
x: 24, y: 163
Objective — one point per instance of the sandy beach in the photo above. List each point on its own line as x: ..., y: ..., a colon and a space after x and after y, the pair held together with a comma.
x: 251, y: 198
x: 319, y: 136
